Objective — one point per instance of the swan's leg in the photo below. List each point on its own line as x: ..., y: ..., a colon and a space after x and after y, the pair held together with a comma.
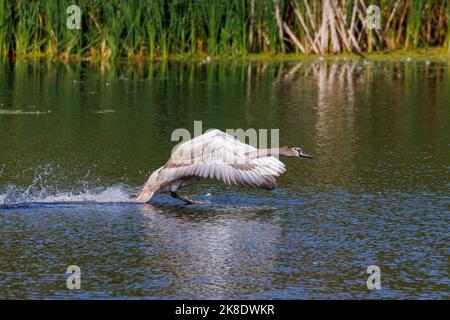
x: 183, y: 198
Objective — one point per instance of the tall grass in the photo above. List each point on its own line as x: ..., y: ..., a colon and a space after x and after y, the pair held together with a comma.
x: 157, y: 29
x: 6, y: 27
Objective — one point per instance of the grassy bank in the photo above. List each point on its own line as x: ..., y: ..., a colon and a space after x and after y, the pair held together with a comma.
x: 180, y: 29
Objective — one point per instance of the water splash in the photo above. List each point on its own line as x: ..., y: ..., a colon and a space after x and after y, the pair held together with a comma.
x: 114, y: 194
x: 51, y: 185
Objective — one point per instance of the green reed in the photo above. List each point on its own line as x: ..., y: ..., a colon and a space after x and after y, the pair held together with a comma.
x: 159, y: 29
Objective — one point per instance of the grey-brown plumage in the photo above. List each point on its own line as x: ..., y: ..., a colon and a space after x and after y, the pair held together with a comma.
x: 217, y: 155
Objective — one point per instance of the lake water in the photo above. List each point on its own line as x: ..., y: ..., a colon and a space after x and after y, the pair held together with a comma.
x: 78, y: 139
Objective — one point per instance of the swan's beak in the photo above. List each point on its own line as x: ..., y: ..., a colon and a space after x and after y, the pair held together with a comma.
x: 303, y: 154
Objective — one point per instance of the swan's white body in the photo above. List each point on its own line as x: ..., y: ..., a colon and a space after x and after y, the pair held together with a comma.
x: 213, y: 155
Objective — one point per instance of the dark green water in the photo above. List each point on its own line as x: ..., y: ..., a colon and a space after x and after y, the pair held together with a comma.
x: 76, y: 140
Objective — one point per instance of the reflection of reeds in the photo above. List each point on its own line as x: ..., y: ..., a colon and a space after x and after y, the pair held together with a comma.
x: 159, y: 28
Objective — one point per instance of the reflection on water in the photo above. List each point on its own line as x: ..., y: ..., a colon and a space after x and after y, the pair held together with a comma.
x: 226, y: 252
x: 376, y: 191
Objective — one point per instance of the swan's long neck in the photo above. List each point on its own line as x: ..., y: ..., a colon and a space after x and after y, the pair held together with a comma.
x: 260, y: 153
x: 149, y: 189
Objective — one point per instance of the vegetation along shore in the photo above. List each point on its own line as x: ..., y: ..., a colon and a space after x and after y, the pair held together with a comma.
x: 179, y: 29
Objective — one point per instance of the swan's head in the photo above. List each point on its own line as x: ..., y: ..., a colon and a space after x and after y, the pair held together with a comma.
x: 292, y: 151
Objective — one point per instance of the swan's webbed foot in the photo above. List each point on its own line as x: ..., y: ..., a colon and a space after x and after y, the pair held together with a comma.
x: 183, y: 198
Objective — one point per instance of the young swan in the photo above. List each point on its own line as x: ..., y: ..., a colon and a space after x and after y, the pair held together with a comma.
x: 217, y: 155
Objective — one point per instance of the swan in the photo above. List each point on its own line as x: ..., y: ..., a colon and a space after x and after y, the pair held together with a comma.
x: 217, y: 155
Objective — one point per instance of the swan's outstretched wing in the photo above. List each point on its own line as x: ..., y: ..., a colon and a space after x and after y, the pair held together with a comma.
x: 218, y: 155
